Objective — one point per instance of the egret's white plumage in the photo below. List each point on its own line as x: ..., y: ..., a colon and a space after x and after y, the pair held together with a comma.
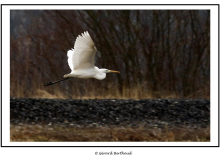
x: 81, y: 60
x: 83, y: 54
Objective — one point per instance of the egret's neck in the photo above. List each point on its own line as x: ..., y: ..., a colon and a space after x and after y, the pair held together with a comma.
x: 100, y: 73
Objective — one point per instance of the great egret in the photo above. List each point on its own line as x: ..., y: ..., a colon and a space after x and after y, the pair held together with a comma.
x: 81, y: 60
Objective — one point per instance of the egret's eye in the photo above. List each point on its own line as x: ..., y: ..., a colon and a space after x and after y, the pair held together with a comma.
x: 106, y: 70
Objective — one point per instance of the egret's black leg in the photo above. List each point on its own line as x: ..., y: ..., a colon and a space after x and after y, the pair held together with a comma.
x: 50, y: 83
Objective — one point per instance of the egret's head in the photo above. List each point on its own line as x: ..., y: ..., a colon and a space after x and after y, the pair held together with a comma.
x: 101, y: 73
x: 110, y: 71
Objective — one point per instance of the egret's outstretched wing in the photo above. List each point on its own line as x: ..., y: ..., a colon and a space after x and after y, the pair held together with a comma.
x: 70, y: 58
x: 84, y: 52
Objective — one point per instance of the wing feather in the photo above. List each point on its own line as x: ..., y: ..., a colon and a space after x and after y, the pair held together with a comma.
x: 84, y: 52
x: 70, y: 58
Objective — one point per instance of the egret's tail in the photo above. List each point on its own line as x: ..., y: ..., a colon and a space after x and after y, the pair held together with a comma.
x: 67, y: 75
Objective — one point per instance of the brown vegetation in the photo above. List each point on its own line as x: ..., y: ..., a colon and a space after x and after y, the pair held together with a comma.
x: 159, y: 53
x: 36, y: 133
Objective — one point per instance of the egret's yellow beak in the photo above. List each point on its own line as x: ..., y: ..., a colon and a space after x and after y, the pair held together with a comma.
x: 114, y: 71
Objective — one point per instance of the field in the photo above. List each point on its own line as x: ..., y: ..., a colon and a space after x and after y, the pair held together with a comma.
x: 62, y: 133
x: 109, y: 120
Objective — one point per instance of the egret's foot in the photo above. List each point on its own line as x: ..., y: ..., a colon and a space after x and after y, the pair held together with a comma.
x: 49, y: 83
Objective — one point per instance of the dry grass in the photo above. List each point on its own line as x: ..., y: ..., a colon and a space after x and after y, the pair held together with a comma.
x: 61, y: 133
x: 95, y: 93
x: 92, y: 92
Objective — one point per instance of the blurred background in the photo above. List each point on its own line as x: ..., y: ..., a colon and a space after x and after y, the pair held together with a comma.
x: 159, y: 53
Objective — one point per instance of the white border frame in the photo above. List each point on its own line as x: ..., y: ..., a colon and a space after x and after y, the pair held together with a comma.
x: 6, y: 74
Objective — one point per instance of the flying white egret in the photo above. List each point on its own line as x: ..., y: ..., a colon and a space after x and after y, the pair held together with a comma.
x: 81, y: 60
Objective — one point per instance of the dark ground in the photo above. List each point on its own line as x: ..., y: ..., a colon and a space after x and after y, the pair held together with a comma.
x: 153, y: 116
